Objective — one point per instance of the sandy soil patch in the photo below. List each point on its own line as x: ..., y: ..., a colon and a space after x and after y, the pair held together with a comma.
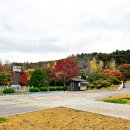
x: 63, y: 119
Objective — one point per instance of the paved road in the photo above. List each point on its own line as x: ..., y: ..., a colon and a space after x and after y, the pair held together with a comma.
x: 86, y: 101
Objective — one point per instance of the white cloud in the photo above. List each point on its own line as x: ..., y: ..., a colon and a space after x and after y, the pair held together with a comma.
x: 33, y: 30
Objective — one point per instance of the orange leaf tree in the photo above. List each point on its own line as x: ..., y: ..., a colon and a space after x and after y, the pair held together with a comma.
x: 113, y: 73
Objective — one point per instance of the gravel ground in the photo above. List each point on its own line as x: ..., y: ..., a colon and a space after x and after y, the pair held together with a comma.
x: 86, y: 101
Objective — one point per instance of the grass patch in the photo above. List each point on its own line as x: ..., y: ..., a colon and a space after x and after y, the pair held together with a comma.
x: 120, y: 101
x: 2, y: 119
x: 127, y: 98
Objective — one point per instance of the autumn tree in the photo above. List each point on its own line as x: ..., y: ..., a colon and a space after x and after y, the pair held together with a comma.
x: 22, y: 78
x: 4, y: 79
x: 7, y: 66
x: 51, y: 64
x: 93, y: 66
x: 113, y: 73
x: 100, y: 65
x: 65, y: 70
x: 52, y: 75
x: 1, y: 67
x: 29, y: 73
x: 112, y: 64
x: 73, y: 58
x: 125, y: 69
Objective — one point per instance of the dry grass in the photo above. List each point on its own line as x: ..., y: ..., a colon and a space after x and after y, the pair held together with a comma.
x: 63, y: 119
x: 121, y: 97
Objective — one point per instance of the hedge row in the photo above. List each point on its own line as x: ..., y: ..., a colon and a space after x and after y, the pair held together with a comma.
x: 43, y: 89
x: 35, y: 89
x: 8, y: 90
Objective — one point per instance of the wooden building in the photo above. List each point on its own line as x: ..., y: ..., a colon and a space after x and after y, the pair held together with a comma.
x: 77, y: 84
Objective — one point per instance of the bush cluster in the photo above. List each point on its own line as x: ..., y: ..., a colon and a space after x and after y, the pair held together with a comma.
x: 97, y: 76
x: 100, y: 84
x: 99, y: 80
x: 115, y: 81
x: 56, y: 88
x: 34, y: 89
x: 8, y: 90
x: 43, y: 89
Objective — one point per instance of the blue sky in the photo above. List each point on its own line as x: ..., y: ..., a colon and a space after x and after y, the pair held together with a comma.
x: 40, y: 30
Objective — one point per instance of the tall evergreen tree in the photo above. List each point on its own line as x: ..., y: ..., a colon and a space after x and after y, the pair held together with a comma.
x: 39, y: 78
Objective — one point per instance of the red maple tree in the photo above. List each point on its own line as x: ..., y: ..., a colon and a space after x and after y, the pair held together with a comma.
x: 23, y: 78
x: 64, y: 70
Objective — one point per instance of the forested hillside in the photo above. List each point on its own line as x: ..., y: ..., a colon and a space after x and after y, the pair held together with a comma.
x: 86, y: 65
x: 85, y: 60
x: 117, y: 57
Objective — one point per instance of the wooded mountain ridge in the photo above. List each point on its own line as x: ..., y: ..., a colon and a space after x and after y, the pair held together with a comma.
x: 83, y: 60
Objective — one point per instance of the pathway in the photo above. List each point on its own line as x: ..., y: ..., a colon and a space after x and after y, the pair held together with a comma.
x: 86, y: 101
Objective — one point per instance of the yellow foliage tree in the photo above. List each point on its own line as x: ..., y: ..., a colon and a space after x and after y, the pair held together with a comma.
x: 112, y: 64
x: 93, y: 66
x: 51, y: 64
x: 100, y: 66
x: 48, y: 65
x: 29, y: 72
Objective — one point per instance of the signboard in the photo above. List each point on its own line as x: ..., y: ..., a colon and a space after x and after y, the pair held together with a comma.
x: 17, y: 68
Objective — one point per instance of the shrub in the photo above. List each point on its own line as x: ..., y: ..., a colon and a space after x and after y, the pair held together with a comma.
x: 97, y: 76
x: 52, y: 88
x: 8, y: 90
x: 90, y: 85
x: 102, y: 83
x: 4, y: 79
x: 43, y: 89
x: 2, y: 119
x: 106, y: 83
x: 115, y: 81
x: 59, y: 88
x: 34, y: 90
x: 98, y: 86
